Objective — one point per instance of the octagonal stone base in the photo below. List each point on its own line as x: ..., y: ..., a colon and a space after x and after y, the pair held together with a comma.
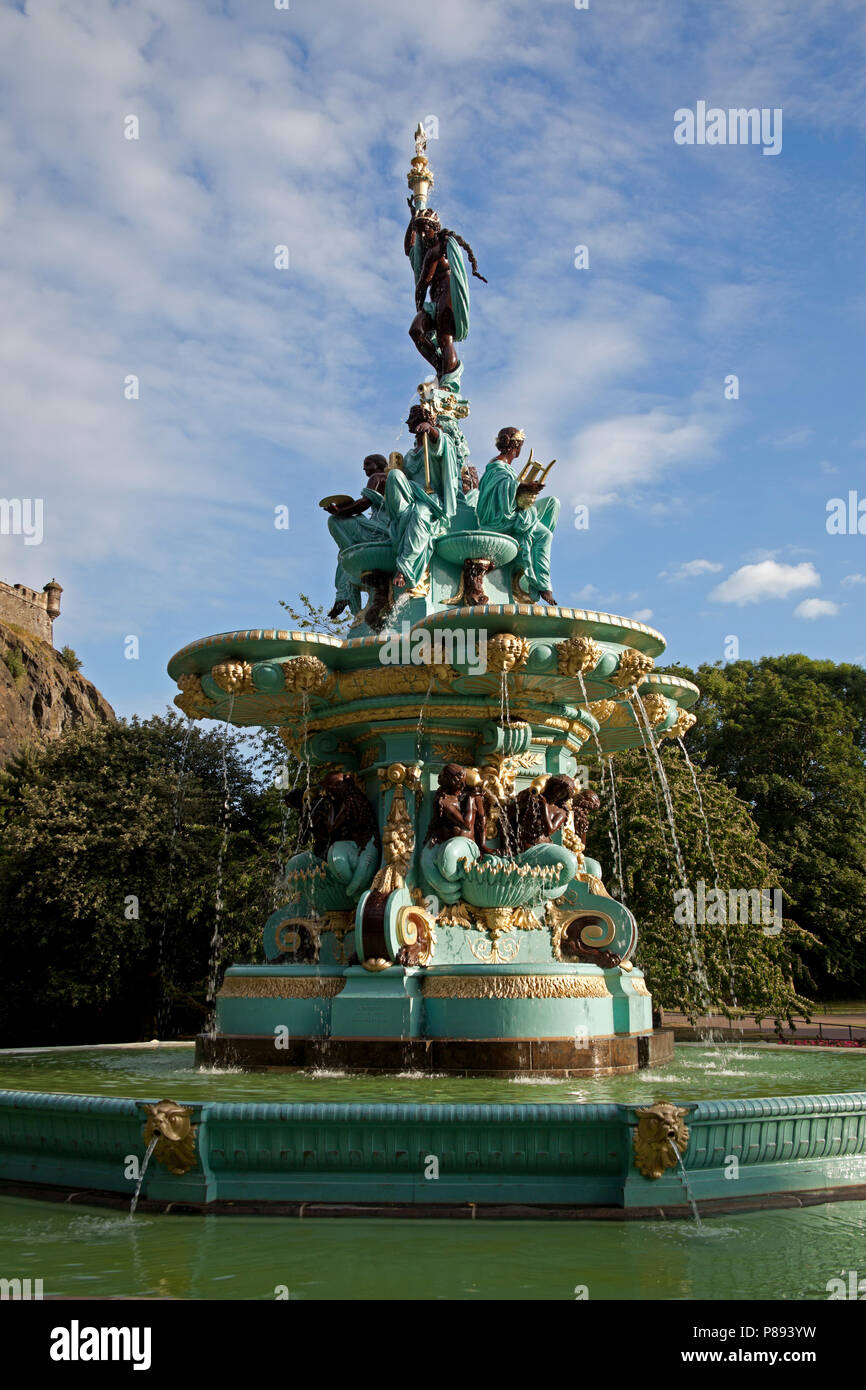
x: 560, y: 1057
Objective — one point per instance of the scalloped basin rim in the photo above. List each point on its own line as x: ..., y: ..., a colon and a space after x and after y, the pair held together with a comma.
x: 358, y: 560
x: 552, y: 623
x: 458, y: 546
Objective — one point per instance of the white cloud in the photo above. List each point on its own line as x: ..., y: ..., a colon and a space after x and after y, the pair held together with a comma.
x: 767, y: 579
x: 615, y: 456
x: 691, y: 568
x: 643, y: 615
x: 854, y: 579
x: 816, y: 608
x: 793, y: 439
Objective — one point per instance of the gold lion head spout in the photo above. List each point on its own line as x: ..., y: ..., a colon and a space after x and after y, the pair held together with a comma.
x: 660, y: 1135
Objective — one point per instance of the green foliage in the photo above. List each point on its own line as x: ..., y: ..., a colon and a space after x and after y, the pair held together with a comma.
x: 123, y: 811
x: 14, y: 662
x: 744, y: 968
x: 313, y: 617
x: 68, y: 658
x: 788, y: 734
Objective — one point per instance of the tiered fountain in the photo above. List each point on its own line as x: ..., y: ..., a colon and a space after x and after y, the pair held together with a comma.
x: 446, y: 917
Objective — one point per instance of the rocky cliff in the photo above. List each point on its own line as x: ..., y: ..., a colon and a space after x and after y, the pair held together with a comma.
x: 40, y: 698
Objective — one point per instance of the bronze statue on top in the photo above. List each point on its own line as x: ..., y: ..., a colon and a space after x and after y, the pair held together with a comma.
x: 434, y: 252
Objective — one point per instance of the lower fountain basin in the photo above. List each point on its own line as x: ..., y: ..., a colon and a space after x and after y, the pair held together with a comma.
x: 570, y: 1150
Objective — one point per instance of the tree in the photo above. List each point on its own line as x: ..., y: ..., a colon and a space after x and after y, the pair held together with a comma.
x: 111, y: 840
x: 718, y: 964
x: 788, y: 734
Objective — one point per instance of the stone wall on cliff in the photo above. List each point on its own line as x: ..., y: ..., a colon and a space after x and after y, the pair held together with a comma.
x: 40, y: 697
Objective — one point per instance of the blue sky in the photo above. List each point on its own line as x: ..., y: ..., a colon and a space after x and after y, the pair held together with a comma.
x: 262, y: 387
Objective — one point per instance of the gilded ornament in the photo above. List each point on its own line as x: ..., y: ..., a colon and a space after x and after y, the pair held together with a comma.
x: 507, y: 652
x: 684, y: 721
x: 385, y: 680
x: 305, y: 674
x: 398, y: 839
x: 192, y: 699
x: 455, y: 915
x: 633, y: 666
x: 577, y: 656
x: 601, y: 710
x: 657, y: 707
x: 281, y: 986
x: 514, y: 987
x: 234, y: 677
x: 169, y: 1123
x: 660, y: 1135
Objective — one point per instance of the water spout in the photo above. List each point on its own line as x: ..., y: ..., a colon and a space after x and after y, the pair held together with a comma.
x: 684, y: 1179
x: 150, y: 1148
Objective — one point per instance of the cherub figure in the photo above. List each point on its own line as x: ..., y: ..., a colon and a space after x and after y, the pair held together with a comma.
x: 537, y: 814
x: 458, y: 809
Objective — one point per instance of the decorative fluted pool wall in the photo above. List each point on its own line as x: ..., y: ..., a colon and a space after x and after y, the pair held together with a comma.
x: 521, y: 1158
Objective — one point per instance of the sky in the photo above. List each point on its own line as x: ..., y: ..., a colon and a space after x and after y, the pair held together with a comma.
x: 700, y: 381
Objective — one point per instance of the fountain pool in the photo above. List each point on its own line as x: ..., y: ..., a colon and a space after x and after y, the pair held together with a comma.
x: 75, y: 1125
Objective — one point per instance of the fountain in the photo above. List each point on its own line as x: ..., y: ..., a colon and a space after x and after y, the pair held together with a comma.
x: 445, y: 920
x: 446, y: 917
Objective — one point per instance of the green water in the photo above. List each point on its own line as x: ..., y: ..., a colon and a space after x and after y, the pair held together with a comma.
x: 698, y: 1072
x: 81, y: 1251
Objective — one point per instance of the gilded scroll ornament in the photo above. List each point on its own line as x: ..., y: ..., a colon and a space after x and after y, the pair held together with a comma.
x: 633, y: 666
x: 577, y: 656
x: 659, y: 1136
x: 416, y: 932
x: 234, y: 677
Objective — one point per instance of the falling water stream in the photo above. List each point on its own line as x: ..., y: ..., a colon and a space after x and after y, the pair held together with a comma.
x: 216, y: 938
x: 615, y: 814
x: 712, y: 858
x: 135, y: 1196
x: 162, y: 1010
x: 700, y: 973
x: 419, y: 733
x: 613, y: 823
x: 684, y: 1179
x: 650, y: 744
